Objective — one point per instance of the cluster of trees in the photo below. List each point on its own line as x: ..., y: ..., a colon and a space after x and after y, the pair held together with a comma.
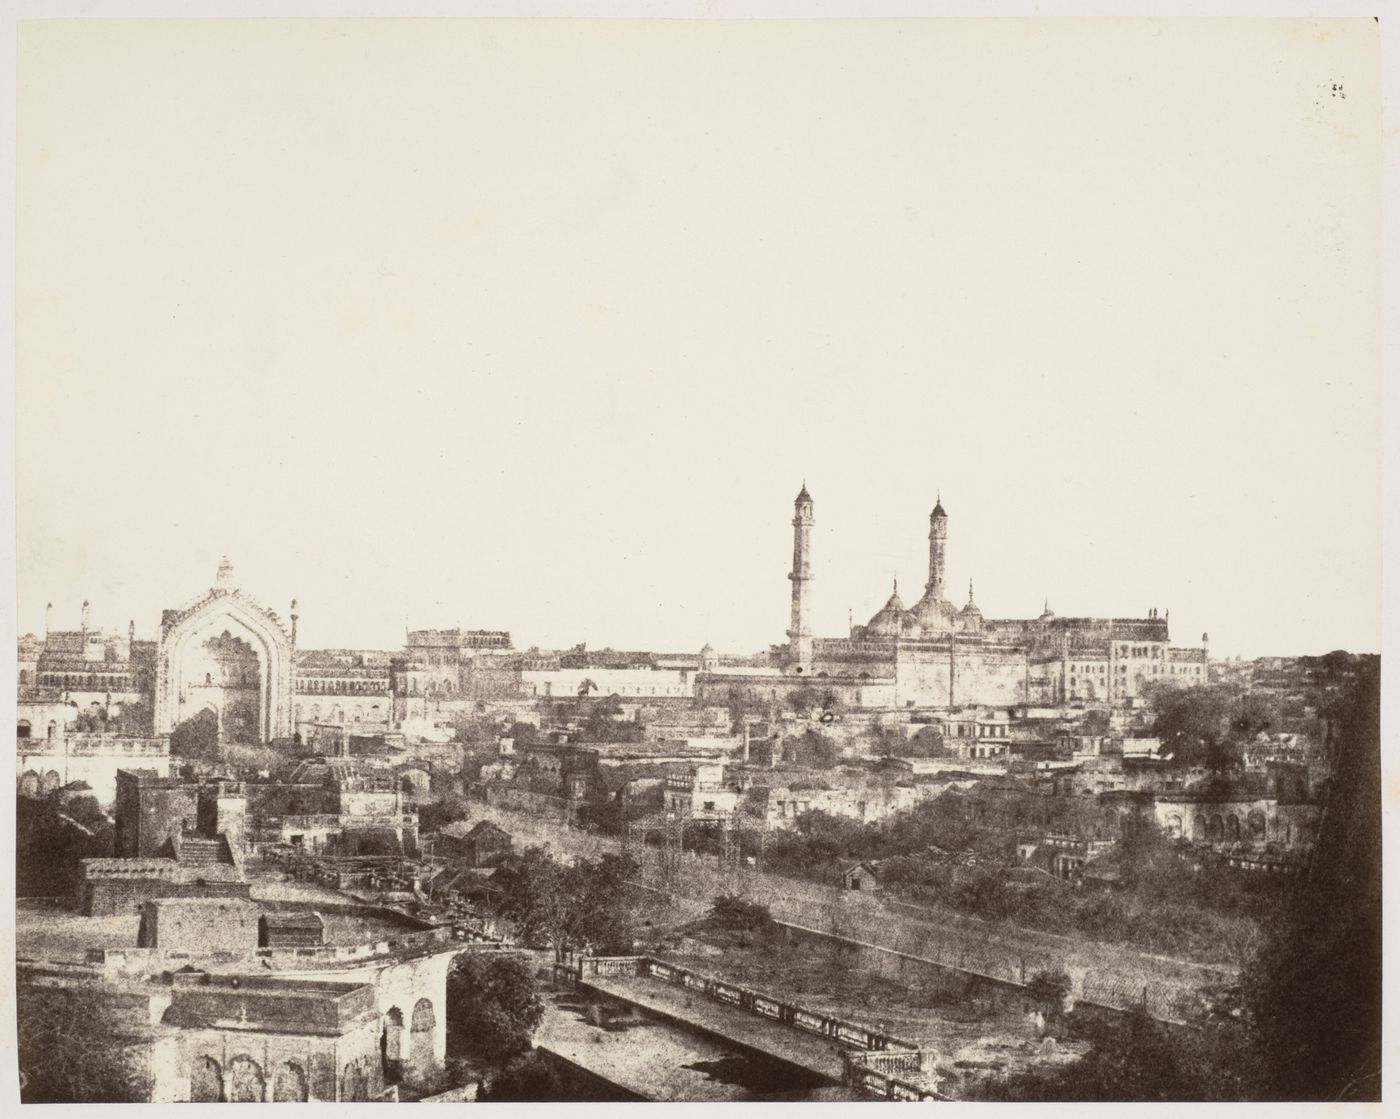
x: 1166, y: 899
x: 1210, y: 725
x: 1304, y: 1021
x: 493, y: 1005
x: 55, y: 832
x: 582, y: 906
x: 436, y: 814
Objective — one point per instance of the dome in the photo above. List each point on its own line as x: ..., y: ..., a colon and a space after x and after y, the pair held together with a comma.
x: 893, y: 620
x: 934, y: 614
x: 707, y: 650
x: 803, y: 497
x: 1047, y: 615
x: 938, y: 514
x: 970, y: 615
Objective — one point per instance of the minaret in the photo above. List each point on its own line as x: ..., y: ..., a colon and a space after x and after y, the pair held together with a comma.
x: 800, y: 633
x: 48, y: 619
x: 87, y: 615
x: 294, y: 616
x: 131, y: 632
x: 937, y: 550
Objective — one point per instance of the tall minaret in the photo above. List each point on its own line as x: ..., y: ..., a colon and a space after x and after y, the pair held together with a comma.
x: 48, y: 619
x: 87, y: 615
x: 296, y: 613
x: 800, y: 633
x: 937, y: 550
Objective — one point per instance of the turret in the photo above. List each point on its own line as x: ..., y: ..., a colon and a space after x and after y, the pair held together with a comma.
x: 800, y: 629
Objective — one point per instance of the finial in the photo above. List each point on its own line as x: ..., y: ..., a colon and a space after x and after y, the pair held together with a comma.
x: 969, y: 590
x: 896, y: 584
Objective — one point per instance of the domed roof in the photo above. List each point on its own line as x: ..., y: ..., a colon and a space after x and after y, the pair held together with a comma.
x: 803, y: 495
x: 970, y: 610
x: 1047, y: 615
x: 934, y: 613
x: 938, y: 514
x: 707, y: 650
x: 892, y: 619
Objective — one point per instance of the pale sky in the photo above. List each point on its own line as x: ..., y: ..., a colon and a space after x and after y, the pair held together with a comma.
x: 541, y: 325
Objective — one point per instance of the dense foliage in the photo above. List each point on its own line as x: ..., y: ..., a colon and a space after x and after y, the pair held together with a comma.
x: 582, y: 906
x: 54, y: 834
x: 955, y: 850
x: 73, y: 1048
x: 492, y: 1005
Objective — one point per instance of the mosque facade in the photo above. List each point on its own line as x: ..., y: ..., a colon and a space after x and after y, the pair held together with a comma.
x: 937, y: 654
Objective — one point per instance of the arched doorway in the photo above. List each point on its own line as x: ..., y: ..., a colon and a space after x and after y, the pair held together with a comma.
x: 243, y: 652
x: 391, y: 1045
x: 289, y: 1084
x: 29, y: 784
x: 420, y: 1039
x: 206, y: 1081
x: 245, y: 1081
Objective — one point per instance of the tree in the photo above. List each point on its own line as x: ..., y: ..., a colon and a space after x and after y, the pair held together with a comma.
x: 1314, y: 992
x: 738, y: 915
x: 575, y: 907
x: 493, y: 1006
x: 76, y: 1047
x: 1193, y: 724
x: 437, y: 814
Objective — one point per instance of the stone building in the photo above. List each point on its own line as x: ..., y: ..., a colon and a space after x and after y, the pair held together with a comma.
x: 935, y: 654
x: 156, y: 814
x: 109, y: 887
x: 200, y: 926
x: 225, y: 660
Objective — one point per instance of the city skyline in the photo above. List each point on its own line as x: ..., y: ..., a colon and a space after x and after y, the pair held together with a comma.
x: 549, y: 338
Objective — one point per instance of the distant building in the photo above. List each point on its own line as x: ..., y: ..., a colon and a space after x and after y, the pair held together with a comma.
x: 860, y: 877
x: 934, y: 654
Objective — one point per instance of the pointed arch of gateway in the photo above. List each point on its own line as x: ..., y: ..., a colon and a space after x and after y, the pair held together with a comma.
x: 224, y: 610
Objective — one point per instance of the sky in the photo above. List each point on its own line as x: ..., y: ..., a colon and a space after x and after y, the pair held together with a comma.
x: 540, y: 325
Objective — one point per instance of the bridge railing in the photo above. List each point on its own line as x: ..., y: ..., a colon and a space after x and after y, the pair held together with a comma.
x: 876, y: 1061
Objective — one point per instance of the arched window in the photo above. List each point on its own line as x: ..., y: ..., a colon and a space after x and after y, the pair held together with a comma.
x: 22, y: 729
x: 23, y: 676
x: 53, y: 730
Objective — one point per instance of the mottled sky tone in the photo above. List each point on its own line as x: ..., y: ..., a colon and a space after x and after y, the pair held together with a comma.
x: 541, y: 325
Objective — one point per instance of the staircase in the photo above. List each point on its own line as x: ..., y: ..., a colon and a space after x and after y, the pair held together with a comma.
x: 200, y: 850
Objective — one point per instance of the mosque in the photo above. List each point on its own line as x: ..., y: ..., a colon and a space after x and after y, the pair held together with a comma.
x: 936, y: 654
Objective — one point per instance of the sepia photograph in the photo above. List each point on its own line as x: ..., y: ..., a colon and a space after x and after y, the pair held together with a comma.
x: 707, y: 559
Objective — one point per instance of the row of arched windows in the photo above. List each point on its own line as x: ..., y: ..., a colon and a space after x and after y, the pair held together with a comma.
x: 342, y: 687
x: 88, y: 682
x: 245, y: 1082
